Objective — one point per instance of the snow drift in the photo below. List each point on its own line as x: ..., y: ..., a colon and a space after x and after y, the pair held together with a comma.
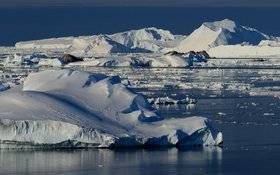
x: 65, y: 108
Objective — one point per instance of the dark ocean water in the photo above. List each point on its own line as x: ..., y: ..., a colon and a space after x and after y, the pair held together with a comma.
x: 17, y: 24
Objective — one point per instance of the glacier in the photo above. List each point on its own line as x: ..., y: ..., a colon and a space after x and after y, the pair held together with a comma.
x: 75, y: 109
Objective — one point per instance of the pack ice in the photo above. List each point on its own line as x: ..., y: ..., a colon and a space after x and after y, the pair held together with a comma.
x: 66, y: 108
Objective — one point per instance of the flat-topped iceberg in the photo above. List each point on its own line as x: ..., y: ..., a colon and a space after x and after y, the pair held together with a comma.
x: 66, y: 108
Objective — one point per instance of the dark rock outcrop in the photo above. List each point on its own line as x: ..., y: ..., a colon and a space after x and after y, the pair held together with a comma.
x: 68, y: 58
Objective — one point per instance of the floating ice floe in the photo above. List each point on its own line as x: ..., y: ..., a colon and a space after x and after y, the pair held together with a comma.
x: 240, y: 51
x: 147, y: 61
x: 66, y: 108
x: 4, y: 87
x: 170, y: 101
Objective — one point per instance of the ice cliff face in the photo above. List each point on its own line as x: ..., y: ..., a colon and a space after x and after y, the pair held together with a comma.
x: 65, y: 108
x: 225, y: 32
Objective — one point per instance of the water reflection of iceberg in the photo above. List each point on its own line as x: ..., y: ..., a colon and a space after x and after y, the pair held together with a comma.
x: 122, y: 161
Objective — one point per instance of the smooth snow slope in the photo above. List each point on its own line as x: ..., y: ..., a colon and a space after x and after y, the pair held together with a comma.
x: 65, y: 108
x: 225, y: 32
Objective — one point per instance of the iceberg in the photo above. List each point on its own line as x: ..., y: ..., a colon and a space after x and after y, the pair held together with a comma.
x: 224, y: 32
x: 75, y: 109
x: 170, y: 59
x: 239, y: 51
x: 51, y: 43
x: 271, y: 43
x: 147, y: 47
x: 99, y: 44
x: 148, y: 39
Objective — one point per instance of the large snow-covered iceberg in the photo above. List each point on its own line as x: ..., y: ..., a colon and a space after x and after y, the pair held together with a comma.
x: 99, y: 44
x: 224, y: 32
x: 147, y: 47
x: 147, y: 39
x: 66, y: 108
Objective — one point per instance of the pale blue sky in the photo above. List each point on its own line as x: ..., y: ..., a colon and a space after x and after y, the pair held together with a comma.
x: 185, y: 3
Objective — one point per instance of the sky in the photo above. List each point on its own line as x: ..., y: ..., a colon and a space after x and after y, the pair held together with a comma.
x: 173, y: 3
x: 61, y: 18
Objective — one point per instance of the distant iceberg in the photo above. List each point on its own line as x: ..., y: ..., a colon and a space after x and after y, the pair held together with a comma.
x: 224, y: 32
x: 66, y: 108
x: 147, y: 47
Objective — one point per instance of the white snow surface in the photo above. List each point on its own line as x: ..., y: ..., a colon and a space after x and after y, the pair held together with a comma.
x: 224, y: 32
x: 147, y: 47
x: 66, y: 108
x: 51, y: 43
x: 94, y: 45
x: 50, y: 62
x: 142, y: 60
x: 147, y: 39
x: 239, y: 51
x: 142, y: 40
x: 271, y: 43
